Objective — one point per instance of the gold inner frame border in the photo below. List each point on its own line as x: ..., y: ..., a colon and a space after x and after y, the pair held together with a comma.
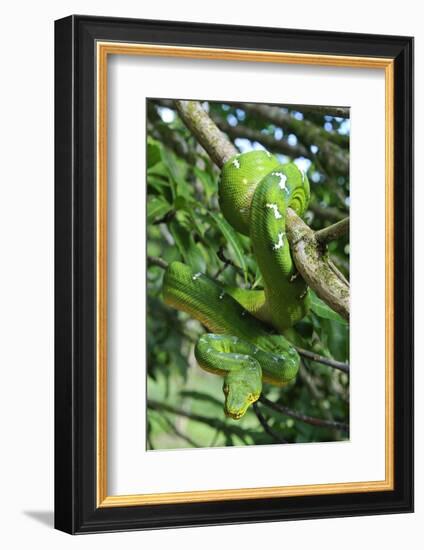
x: 103, y: 50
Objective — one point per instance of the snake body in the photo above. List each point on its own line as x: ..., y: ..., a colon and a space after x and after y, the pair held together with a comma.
x: 255, y: 191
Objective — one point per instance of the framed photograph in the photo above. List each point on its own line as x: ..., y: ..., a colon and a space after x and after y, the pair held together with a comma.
x: 234, y: 274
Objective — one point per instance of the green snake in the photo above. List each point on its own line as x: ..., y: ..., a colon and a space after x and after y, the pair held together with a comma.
x: 255, y: 190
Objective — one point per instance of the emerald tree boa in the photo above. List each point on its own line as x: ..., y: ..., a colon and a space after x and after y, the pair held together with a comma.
x: 255, y: 190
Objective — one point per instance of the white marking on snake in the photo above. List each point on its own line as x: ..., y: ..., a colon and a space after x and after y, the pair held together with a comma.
x: 196, y: 276
x: 221, y: 295
x: 282, y: 182
x: 236, y: 163
x: 274, y: 207
x: 243, y: 313
x: 280, y: 243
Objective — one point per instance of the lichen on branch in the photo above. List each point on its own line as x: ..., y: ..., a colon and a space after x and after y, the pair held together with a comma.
x: 313, y: 264
x: 333, y: 232
x: 216, y: 144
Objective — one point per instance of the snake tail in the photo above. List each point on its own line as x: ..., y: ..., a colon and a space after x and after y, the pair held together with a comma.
x: 238, y: 348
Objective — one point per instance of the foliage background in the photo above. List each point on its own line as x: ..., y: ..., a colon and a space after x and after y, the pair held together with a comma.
x: 185, y: 404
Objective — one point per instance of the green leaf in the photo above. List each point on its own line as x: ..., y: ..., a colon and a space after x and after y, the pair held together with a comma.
x: 233, y: 240
x: 159, y: 169
x: 180, y: 185
x: 189, y: 250
x: 153, y: 152
x: 181, y: 203
x: 157, y: 184
x: 209, y: 184
x: 157, y: 207
x: 321, y: 309
x: 337, y: 336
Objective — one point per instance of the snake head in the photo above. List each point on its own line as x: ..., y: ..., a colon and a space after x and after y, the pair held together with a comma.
x: 242, y: 387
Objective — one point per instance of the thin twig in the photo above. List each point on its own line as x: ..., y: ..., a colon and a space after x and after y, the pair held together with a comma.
x: 341, y: 264
x: 158, y: 262
x: 340, y: 112
x: 272, y: 433
x: 333, y: 232
x: 169, y: 216
x: 227, y: 261
x: 337, y: 271
x: 179, y: 434
x: 308, y: 380
x: 214, y: 438
x: 281, y: 146
x: 303, y: 417
x: 344, y: 367
x: 216, y: 423
x: 165, y: 134
x: 221, y: 270
x: 326, y: 212
x: 335, y: 157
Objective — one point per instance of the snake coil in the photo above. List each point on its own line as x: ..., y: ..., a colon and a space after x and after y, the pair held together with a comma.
x: 255, y: 190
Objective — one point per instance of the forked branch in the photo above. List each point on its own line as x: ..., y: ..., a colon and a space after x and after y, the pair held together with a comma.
x: 309, y: 256
x: 333, y: 232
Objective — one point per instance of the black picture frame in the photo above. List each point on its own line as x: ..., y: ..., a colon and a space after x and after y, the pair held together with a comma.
x: 76, y: 508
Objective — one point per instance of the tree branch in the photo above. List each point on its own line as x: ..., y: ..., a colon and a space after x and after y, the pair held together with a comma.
x: 333, y: 232
x: 158, y: 262
x: 267, y: 140
x: 263, y: 422
x: 163, y: 133
x: 339, y: 112
x: 205, y: 130
x: 326, y: 212
x: 335, y: 158
x: 307, y: 252
x: 337, y: 271
x: 179, y: 433
x: 314, y: 266
x: 344, y: 367
x: 303, y: 417
x: 220, y: 425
